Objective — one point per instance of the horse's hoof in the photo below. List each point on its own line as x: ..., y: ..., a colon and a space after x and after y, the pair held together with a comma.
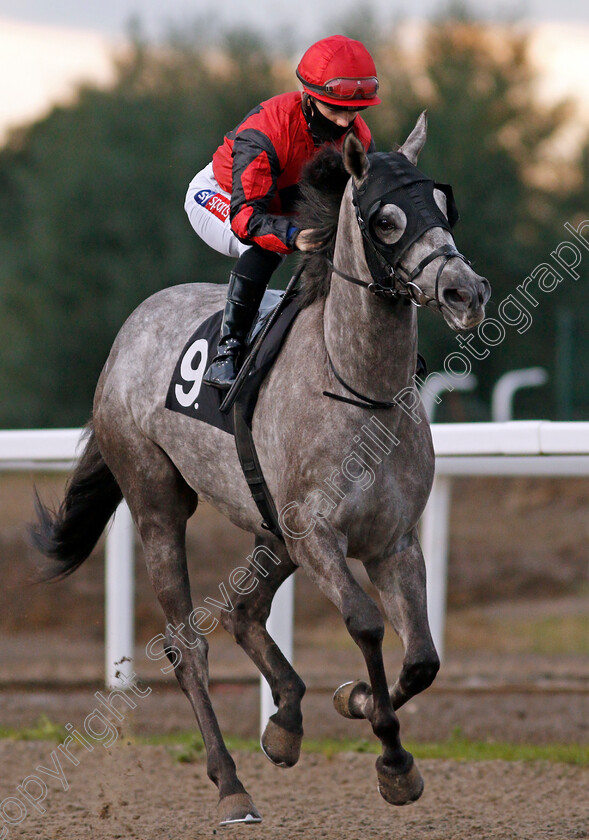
x: 346, y: 694
x: 281, y: 747
x: 237, y: 808
x: 398, y: 789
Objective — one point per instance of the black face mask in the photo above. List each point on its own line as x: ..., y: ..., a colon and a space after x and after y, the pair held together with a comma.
x: 413, y: 192
x: 322, y: 130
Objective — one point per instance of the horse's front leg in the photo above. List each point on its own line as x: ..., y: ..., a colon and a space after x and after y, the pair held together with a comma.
x: 270, y: 566
x: 400, y: 580
x: 322, y: 555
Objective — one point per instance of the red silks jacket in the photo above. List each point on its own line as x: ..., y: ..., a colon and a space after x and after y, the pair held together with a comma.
x: 259, y: 163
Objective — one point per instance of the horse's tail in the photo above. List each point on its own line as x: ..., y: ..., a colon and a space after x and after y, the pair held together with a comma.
x: 67, y: 536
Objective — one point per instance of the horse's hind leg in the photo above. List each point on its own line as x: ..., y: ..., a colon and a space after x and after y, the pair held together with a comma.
x: 161, y: 503
x: 270, y: 565
x: 400, y: 580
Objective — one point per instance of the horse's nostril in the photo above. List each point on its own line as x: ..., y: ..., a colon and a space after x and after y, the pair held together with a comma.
x: 455, y: 297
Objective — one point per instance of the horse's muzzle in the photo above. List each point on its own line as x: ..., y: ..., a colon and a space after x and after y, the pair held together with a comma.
x: 463, y: 300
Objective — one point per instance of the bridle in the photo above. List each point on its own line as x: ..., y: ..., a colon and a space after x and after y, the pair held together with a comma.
x: 390, y: 279
x: 413, y: 192
x: 402, y: 283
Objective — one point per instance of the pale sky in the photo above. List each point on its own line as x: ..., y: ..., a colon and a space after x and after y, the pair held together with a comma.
x: 46, y: 48
x: 304, y: 17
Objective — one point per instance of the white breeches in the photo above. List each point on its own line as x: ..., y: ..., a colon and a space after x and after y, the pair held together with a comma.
x: 207, y: 207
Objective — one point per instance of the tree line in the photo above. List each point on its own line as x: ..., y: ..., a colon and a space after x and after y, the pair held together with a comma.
x: 92, y: 219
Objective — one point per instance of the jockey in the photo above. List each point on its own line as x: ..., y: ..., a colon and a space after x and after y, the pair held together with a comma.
x: 242, y: 203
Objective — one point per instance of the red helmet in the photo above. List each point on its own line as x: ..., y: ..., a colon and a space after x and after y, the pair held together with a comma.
x: 339, y: 71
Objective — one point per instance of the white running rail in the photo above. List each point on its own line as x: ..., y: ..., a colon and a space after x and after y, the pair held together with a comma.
x: 531, y: 448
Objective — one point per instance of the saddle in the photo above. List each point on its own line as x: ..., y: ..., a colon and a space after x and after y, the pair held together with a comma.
x: 270, y: 301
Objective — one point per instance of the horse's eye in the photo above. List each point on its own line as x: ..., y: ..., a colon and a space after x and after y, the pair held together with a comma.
x: 386, y: 225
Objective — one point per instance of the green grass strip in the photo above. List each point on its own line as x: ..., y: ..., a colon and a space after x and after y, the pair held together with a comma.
x: 188, y: 746
x: 43, y: 729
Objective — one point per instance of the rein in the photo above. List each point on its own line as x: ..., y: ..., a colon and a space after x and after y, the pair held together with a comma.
x: 362, y: 401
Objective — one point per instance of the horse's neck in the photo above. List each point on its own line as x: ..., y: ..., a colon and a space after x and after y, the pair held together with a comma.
x: 372, y: 342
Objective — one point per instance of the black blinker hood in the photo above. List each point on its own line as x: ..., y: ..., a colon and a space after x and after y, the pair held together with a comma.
x: 413, y: 192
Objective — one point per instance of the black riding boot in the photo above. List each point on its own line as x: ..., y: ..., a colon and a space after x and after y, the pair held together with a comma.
x: 243, y: 300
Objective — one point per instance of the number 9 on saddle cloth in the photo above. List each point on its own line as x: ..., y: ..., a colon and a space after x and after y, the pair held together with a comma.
x: 188, y: 395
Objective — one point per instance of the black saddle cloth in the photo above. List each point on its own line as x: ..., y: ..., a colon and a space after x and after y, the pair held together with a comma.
x: 188, y: 394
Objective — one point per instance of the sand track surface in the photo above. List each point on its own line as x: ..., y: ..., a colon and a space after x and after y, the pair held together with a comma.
x: 131, y: 791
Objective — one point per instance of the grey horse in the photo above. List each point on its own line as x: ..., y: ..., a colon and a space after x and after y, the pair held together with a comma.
x: 350, y: 473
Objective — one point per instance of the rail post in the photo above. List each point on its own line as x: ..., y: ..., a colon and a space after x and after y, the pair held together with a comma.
x: 120, y: 595
x: 434, y: 544
x: 280, y: 626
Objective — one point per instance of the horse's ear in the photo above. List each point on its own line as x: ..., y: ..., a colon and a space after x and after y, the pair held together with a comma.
x: 355, y: 160
x: 413, y: 145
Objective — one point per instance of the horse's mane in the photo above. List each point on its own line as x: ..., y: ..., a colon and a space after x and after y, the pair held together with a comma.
x: 322, y: 186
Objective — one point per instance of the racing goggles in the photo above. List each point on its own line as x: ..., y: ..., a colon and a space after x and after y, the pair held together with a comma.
x: 344, y: 88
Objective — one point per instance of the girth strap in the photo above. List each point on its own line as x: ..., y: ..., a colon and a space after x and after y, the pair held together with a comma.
x: 248, y: 458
